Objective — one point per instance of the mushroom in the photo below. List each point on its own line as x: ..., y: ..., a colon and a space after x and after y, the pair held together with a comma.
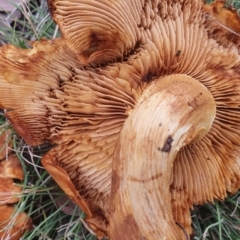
x: 146, y: 134
x: 224, y: 22
x: 18, y: 221
x: 13, y: 223
x: 10, y: 169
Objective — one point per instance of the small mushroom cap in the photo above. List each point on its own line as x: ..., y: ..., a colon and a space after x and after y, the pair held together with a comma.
x: 11, y: 168
x: 9, y: 192
x: 12, y: 224
x: 20, y: 222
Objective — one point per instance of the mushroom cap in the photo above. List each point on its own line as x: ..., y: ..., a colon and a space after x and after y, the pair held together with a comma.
x: 10, y: 193
x: 12, y: 223
x: 20, y: 221
x: 11, y: 168
x: 82, y: 108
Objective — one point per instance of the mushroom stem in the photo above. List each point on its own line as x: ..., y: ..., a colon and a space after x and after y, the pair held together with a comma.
x: 172, y: 112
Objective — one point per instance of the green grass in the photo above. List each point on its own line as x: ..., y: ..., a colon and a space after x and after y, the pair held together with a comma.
x: 35, y: 24
x: 42, y: 199
x: 219, y: 221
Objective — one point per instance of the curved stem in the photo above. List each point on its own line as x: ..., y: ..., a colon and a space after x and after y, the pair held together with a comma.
x: 172, y: 112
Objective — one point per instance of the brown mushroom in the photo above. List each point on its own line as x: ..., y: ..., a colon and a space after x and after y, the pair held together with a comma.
x: 11, y: 168
x: 139, y: 140
x: 13, y: 223
x: 224, y: 22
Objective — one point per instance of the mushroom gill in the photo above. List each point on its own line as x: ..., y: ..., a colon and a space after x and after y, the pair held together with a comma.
x: 113, y: 36
x: 85, y: 108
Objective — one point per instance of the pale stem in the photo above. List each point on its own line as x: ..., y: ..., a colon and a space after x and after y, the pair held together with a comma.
x: 172, y: 112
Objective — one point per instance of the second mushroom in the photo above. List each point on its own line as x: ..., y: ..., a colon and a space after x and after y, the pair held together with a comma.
x: 142, y: 101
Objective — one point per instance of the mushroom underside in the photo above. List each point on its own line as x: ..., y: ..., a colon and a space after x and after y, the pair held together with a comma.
x: 82, y: 108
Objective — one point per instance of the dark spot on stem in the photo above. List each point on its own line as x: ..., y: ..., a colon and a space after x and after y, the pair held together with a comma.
x: 178, y: 53
x: 168, y: 145
x: 144, y: 180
